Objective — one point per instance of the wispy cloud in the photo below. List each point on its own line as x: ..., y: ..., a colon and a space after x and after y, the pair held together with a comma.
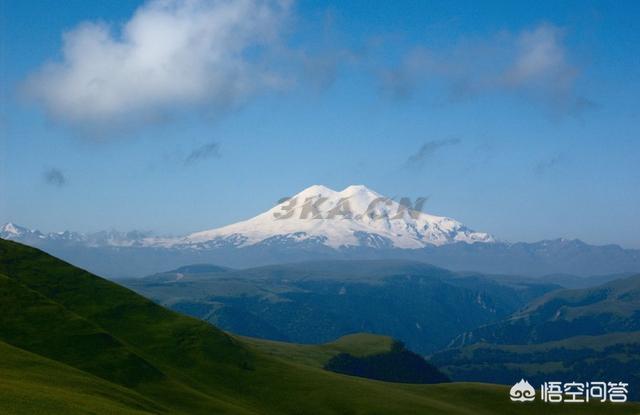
x: 55, y: 177
x: 203, y: 152
x: 533, y: 63
x: 544, y: 166
x: 321, y: 63
x: 170, y: 54
x: 427, y: 150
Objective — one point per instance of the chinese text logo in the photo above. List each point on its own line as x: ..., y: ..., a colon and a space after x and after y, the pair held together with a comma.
x: 571, y: 392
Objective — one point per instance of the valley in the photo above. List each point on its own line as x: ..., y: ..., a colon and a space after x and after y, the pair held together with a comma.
x: 317, y: 302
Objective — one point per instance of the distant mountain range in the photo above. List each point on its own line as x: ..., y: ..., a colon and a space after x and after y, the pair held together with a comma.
x: 607, y: 308
x: 567, y: 335
x: 320, y: 223
x: 315, y: 302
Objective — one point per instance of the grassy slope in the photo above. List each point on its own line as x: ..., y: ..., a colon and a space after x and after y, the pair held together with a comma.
x: 316, y: 355
x: 27, y: 387
x: 149, y: 358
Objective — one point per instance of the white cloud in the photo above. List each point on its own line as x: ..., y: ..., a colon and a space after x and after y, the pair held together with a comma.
x: 539, y: 53
x: 170, y: 54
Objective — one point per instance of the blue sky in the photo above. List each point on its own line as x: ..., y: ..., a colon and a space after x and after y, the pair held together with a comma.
x: 515, y: 119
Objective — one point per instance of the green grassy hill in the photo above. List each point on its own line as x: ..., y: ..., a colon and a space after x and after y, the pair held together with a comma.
x: 317, y: 355
x: 32, y: 385
x: 74, y: 343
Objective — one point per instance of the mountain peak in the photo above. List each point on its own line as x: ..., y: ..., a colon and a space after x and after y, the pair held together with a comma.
x: 316, y: 190
x: 11, y: 228
x: 359, y: 189
x: 321, y: 190
x: 354, y: 188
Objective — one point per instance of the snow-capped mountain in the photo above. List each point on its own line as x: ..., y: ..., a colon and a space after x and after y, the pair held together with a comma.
x: 18, y: 233
x: 13, y: 231
x: 355, y: 216
x: 323, y: 224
